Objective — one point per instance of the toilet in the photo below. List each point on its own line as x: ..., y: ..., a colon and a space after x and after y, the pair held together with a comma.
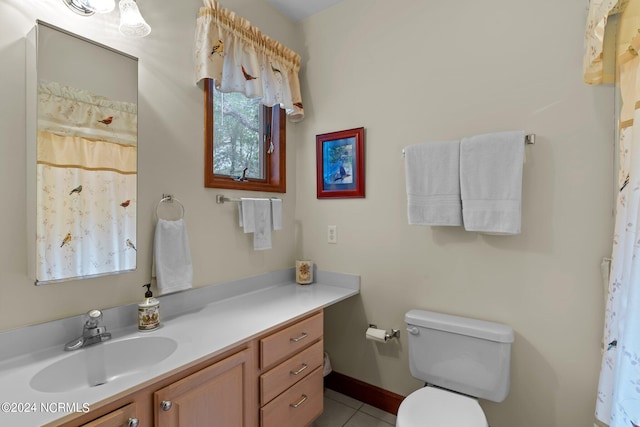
x: 461, y: 360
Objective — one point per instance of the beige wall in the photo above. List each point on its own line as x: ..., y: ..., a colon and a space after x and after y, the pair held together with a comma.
x: 414, y: 71
x: 421, y: 71
x: 170, y: 158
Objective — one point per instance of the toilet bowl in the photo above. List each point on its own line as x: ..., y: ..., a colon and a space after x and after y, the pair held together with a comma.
x: 460, y: 359
x: 433, y: 407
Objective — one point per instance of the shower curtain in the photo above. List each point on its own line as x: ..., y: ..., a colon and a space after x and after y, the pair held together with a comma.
x: 86, y: 177
x: 618, y: 400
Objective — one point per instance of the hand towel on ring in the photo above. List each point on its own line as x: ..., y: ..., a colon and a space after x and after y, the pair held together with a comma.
x: 172, y: 256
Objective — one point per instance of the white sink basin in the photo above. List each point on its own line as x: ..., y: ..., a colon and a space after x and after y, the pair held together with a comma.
x: 100, y: 363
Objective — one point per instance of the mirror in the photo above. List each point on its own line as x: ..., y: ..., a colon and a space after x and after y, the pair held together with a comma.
x: 82, y: 156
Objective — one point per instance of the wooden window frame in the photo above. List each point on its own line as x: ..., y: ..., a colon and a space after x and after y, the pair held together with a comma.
x: 275, y: 162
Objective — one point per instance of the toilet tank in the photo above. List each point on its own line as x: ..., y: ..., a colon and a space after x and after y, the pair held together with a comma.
x: 465, y: 355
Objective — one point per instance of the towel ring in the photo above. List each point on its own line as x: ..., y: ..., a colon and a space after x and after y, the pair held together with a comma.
x: 169, y: 198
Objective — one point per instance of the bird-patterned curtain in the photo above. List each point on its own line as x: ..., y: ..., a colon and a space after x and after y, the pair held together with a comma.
x: 66, y: 110
x: 86, y: 179
x: 618, y: 402
x: 241, y: 59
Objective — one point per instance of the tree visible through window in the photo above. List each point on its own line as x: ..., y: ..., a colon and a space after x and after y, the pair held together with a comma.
x: 244, y: 143
x: 238, y: 133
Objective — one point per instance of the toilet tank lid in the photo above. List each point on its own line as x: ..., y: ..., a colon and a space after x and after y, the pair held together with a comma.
x: 460, y: 325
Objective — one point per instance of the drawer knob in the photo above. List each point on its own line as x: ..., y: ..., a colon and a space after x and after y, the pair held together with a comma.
x: 304, y: 366
x: 299, y: 402
x: 300, y: 338
x: 166, y: 405
x: 132, y: 422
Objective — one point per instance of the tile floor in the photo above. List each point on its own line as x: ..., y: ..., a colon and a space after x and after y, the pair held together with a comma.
x: 344, y: 411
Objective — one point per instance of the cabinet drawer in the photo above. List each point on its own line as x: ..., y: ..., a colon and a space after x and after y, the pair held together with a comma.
x: 122, y: 417
x: 290, y: 340
x: 296, y: 407
x: 289, y: 372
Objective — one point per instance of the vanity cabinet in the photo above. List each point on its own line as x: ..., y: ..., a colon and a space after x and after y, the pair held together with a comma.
x: 291, y: 379
x: 214, y: 396
x: 270, y: 380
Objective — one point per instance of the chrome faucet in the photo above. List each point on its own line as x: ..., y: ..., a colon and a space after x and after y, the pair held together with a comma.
x: 92, y: 333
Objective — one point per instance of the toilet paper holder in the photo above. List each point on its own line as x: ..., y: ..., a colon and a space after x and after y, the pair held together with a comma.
x: 395, y: 333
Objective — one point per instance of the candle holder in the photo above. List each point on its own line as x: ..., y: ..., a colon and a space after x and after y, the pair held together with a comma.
x: 304, y: 272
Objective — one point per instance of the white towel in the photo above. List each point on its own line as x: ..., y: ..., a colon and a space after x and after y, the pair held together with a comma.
x: 276, y: 213
x: 433, y: 183
x: 172, y: 257
x: 255, y: 217
x: 491, y: 182
x: 262, y: 221
x: 247, y: 214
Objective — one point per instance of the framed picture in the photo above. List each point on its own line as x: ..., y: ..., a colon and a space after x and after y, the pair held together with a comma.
x: 340, y: 164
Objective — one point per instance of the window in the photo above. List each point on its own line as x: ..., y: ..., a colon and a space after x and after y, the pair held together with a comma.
x: 245, y: 143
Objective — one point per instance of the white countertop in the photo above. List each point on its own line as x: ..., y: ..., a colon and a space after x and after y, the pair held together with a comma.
x: 235, y: 313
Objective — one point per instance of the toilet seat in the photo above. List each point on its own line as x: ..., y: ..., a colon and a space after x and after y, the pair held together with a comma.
x: 433, y: 407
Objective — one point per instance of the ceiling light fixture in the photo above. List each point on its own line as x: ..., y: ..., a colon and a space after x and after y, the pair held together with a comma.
x: 98, y: 6
x: 132, y: 23
x: 78, y: 7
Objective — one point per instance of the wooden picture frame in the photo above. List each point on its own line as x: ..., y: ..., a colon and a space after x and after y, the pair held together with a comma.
x: 340, y: 164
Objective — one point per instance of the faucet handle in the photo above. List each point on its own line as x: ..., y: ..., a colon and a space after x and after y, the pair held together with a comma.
x: 94, y: 317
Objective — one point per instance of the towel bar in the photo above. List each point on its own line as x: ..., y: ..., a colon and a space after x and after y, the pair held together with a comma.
x: 220, y: 199
x: 529, y: 139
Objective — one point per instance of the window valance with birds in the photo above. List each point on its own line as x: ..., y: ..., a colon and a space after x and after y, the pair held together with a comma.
x: 241, y: 59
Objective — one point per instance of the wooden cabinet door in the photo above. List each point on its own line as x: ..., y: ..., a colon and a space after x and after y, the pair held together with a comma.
x: 221, y: 395
x: 122, y: 417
